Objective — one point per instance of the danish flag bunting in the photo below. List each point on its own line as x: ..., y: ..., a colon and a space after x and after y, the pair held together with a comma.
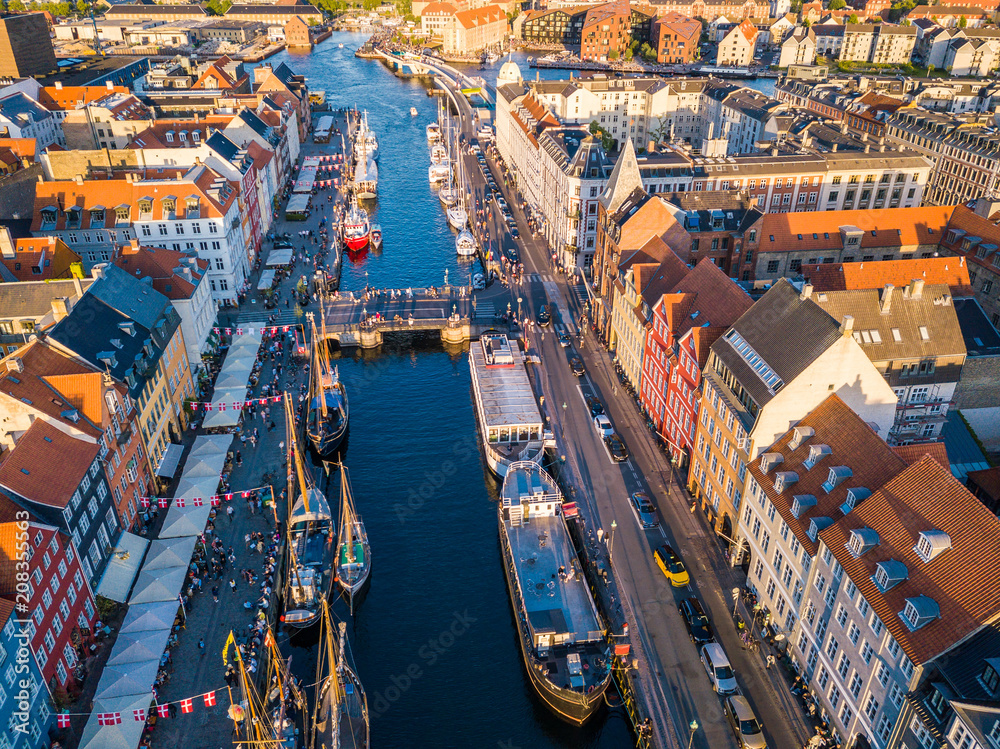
x: 215, y: 501
x: 229, y: 331
x: 239, y: 331
x: 109, y: 719
x: 163, y: 711
x: 164, y: 501
x: 139, y: 715
x: 194, y: 406
x: 197, y: 502
x: 210, y: 699
x: 229, y: 497
x: 62, y: 720
x: 144, y: 501
x: 276, y: 399
x: 178, y: 501
x: 187, y: 706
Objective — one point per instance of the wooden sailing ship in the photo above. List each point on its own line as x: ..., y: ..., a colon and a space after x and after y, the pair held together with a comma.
x: 327, y: 417
x: 340, y: 718
x: 354, y: 561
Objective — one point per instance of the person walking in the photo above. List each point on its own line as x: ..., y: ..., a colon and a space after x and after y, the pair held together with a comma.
x: 215, y: 593
x: 770, y: 661
x: 201, y: 647
x: 232, y: 584
x: 230, y: 512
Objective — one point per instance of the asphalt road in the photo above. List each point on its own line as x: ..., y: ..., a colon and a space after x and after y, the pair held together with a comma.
x: 680, y: 691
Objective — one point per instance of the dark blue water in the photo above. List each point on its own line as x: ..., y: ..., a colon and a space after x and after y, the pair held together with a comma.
x: 434, y: 639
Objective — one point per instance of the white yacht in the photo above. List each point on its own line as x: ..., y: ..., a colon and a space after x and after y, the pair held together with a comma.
x: 433, y: 132
x: 438, y: 173
x: 439, y: 154
x: 465, y: 244
x: 457, y: 217
x: 365, y: 142
x: 413, y: 111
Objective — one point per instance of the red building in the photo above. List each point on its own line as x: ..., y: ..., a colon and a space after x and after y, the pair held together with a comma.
x: 675, y: 38
x: 60, y: 602
x: 685, y: 322
x: 606, y: 32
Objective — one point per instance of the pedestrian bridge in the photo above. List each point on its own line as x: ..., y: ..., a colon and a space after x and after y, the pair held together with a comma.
x: 421, y: 65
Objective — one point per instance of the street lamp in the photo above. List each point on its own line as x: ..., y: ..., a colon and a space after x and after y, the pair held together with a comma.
x: 611, y: 541
x: 692, y: 726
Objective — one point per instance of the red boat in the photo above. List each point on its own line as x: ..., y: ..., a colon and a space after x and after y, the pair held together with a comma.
x: 356, y: 230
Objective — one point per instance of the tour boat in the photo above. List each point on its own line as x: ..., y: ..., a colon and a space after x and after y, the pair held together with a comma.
x: 366, y: 180
x: 562, y: 637
x: 457, y: 216
x: 448, y: 195
x: 365, y: 141
x: 340, y: 46
x: 465, y: 243
x: 413, y: 112
x: 354, y: 562
x: 510, y: 424
x: 433, y: 132
x: 341, y: 717
x: 310, y: 539
x: 327, y: 419
x: 438, y: 173
x: 356, y: 228
x: 376, y: 237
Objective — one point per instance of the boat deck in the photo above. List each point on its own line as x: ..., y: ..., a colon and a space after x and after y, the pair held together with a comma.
x: 554, y: 603
x: 504, y: 393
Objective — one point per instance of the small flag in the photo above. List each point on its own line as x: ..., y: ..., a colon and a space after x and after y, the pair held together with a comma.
x: 194, y: 406
x: 208, y: 406
x: 187, y: 706
x: 229, y: 497
x: 215, y: 330
x: 229, y: 331
x: 139, y: 715
x: 246, y: 494
x: 164, y: 502
x: 284, y: 328
x: 144, y: 501
x: 62, y: 720
x: 215, y: 501
x: 239, y: 331
x: 178, y: 501
x: 197, y: 501
x: 109, y: 719
x: 210, y: 699
x: 163, y: 711
x: 276, y: 399
x: 249, y: 331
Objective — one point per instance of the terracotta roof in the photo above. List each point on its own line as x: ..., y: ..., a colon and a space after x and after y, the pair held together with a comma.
x: 6, y: 569
x: 915, y: 453
x: 470, y: 19
x: 46, y: 465
x: 820, y: 230
x: 72, y: 97
x: 50, y: 256
x: 967, y: 223
x: 155, y: 136
x: 875, y: 274
x: 655, y: 251
x: 963, y: 580
x: 707, y: 297
x: 703, y: 338
x: 160, y: 265
x: 748, y: 30
x: 852, y: 443
x: 23, y: 148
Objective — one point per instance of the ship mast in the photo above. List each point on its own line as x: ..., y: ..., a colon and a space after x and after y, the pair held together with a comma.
x: 326, y: 682
x: 258, y: 728
x: 347, y: 515
x: 319, y: 368
x: 295, y: 455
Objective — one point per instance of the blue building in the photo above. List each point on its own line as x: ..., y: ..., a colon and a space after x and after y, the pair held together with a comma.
x: 25, y: 712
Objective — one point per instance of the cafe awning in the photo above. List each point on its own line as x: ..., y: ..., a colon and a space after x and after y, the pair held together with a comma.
x: 266, y: 280
x: 169, y: 460
x: 116, y: 582
x: 278, y: 258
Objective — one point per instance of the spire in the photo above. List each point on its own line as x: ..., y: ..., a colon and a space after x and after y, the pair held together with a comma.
x: 624, y: 179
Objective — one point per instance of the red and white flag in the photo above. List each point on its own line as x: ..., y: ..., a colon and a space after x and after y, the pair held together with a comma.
x: 229, y: 331
x: 187, y: 706
x: 215, y: 501
x: 164, y: 501
x: 62, y: 720
x: 239, y: 331
x: 229, y: 497
x: 210, y: 699
x: 197, y: 501
x: 163, y: 711
x: 194, y: 406
x: 178, y: 501
x: 144, y: 501
x: 139, y: 715
x: 109, y: 719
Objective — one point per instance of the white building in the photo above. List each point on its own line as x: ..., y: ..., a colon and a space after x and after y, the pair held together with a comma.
x: 737, y: 47
x: 23, y: 117
x: 798, y: 49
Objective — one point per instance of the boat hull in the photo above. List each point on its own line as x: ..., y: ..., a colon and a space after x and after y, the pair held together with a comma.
x: 571, y: 706
x: 328, y: 444
x: 356, y: 244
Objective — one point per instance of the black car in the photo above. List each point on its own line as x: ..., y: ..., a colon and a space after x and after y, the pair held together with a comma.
x: 576, y: 365
x: 619, y: 453
x: 698, y: 625
x: 544, y: 318
x: 595, y: 406
x: 514, y: 232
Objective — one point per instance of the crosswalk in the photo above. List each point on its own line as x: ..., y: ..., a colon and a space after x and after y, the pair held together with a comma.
x: 579, y: 292
x: 485, y: 309
x: 538, y: 277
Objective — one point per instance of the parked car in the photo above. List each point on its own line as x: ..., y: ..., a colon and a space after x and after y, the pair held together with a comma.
x: 515, y: 233
x: 643, y: 509
x: 595, y: 406
x: 696, y: 620
x: 576, y: 365
x: 720, y: 673
x: 672, y: 566
x: 744, y: 723
x: 502, y: 203
x: 619, y: 453
x: 543, y: 318
x: 603, y: 425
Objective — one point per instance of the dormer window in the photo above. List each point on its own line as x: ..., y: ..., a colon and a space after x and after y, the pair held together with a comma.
x: 889, y: 573
x: 919, y: 611
x: 784, y: 479
x: 127, y: 327
x: 799, y: 436
x: 73, y: 216
x: 862, y: 540
x: 990, y: 676
x: 192, y: 208
x: 108, y: 358
x: 122, y: 214
x: 170, y: 136
x: 816, y: 525
x: 768, y: 461
x: 96, y: 218
x: 837, y: 475
x: 932, y: 543
x: 169, y: 207
x: 801, y: 503
x: 855, y: 495
x: 145, y: 208
x: 48, y: 218
x: 816, y: 454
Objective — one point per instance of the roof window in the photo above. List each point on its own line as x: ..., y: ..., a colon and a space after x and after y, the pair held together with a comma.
x: 889, y: 574
x: 816, y: 454
x: 769, y: 461
x: 837, y: 475
x: 799, y: 436
x: 932, y: 543
x: 801, y: 503
x: 784, y: 479
x: 920, y: 611
x: 816, y: 525
x: 862, y: 540
x: 855, y: 495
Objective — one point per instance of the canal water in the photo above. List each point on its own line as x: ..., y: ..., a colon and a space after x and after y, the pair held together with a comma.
x: 434, y: 639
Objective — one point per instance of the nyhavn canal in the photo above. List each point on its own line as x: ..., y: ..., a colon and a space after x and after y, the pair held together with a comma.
x: 434, y: 640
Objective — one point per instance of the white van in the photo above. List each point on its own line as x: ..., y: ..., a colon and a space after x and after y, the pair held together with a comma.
x: 720, y: 673
x: 603, y: 425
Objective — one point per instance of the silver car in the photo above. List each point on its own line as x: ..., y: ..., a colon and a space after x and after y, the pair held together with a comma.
x: 642, y: 508
x: 744, y: 723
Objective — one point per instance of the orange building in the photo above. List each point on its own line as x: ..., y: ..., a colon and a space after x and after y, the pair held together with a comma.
x: 606, y: 32
x: 675, y: 38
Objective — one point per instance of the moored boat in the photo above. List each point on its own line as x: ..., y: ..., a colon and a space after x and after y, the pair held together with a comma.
x: 366, y: 180
x: 376, y: 237
x: 433, y: 132
x: 561, y: 633
x: 438, y: 173
x: 310, y: 538
x: 439, y: 154
x: 510, y: 424
x: 354, y: 563
x: 465, y: 244
x: 457, y: 217
x: 341, y: 716
x: 356, y: 229
x: 327, y: 418
x: 448, y: 195
x: 413, y: 111
x: 365, y: 141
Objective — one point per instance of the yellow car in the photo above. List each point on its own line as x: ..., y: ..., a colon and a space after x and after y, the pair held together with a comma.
x: 672, y: 566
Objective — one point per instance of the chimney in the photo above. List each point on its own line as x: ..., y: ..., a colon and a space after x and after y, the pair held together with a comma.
x: 79, y: 179
x: 885, y: 302
x: 110, y: 85
x: 60, y: 307
x: 807, y: 292
x: 77, y: 286
x: 652, y: 146
x: 14, y: 364
x: 58, y: 85
x: 7, y: 248
x: 916, y: 288
x: 847, y: 326
x: 134, y: 244
x: 98, y: 270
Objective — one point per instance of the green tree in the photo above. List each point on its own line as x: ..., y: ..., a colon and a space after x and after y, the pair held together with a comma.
x: 219, y: 7
x: 628, y: 55
x: 930, y: 70
x: 82, y: 8
x: 837, y: 4
x: 613, y: 55
x: 370, y: 4
x: 16, y: 6
x: 853, y: 18
x: 963, y: 22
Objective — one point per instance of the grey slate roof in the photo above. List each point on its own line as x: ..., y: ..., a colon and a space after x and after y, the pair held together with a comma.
x: 787, y: 332
x: 222, y: 145
x: 34, y: 298
x: 22, y: 109
x: 130, y: 296
x: 981, y: 338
